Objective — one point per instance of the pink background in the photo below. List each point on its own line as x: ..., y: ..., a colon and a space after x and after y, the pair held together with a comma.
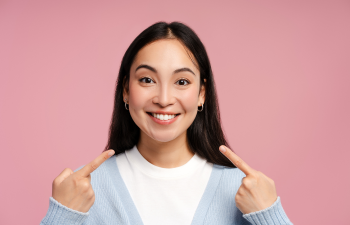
x: 282, y: 73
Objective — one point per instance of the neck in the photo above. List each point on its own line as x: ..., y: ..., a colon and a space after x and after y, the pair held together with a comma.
x: 169, y: 154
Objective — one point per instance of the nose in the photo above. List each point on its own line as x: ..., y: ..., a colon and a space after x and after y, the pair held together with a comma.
x: 164, y: 96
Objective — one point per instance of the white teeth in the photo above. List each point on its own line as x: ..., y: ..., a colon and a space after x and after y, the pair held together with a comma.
x: 163, y: 116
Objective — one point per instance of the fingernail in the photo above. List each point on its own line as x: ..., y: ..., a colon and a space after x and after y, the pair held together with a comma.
x: 222, y: 149
x: 110, y: 153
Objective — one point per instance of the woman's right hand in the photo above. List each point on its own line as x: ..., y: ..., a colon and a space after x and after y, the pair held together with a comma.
x: 74, y: 190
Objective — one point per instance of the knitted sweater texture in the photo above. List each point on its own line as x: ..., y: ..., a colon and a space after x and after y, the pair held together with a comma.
x: 113, y: 203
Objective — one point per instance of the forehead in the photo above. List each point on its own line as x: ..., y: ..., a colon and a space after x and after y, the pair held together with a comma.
x: 166, y: 54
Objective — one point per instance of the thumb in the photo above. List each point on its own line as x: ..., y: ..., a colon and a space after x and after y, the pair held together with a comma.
x: 63, y: 175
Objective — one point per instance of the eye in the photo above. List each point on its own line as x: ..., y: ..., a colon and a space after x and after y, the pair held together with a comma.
x: 183, y: 82
x: 146, y: 80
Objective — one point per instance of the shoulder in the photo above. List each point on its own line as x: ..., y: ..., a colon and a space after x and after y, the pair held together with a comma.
x: 231, y: 178
x: 229, y: 171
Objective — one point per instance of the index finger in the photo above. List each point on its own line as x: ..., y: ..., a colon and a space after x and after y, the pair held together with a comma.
x: 93, y: 165
x: 236, y: 160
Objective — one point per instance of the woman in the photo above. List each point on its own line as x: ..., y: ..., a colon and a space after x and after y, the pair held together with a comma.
x: 166, y: 136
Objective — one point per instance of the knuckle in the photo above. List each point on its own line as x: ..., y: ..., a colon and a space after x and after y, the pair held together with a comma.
x: 247, y: 183
x: 93, y: 166
x: 68, y: 170
x: 76, y: 182
x: 261, y: 175
x: 238, y: 162
x: 85, y: 185
x: 240, y: 192
x: 240, y: 195
x: 256, y: 174
x: 91, y: 193
x: 92, y: 198
x: 55, y: 183
x: 237, y: 198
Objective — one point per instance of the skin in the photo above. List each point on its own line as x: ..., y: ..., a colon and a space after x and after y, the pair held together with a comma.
x: 257, y: 191
x: 164, y: 146
x: 74, y: 190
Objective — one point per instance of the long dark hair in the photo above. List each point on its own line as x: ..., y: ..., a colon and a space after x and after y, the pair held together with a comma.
x: 205, y: 134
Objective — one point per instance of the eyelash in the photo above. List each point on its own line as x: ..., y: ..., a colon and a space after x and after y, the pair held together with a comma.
x: 145, y: 78
x: 188, y: 82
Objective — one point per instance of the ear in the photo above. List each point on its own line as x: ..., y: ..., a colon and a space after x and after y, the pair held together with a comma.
x: 201, y: 98
x: 125, y: 90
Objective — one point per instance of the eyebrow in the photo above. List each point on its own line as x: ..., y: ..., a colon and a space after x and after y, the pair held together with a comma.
x: 155, y: 71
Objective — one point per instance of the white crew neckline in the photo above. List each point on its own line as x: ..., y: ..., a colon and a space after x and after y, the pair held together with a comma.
x: 139, y: 162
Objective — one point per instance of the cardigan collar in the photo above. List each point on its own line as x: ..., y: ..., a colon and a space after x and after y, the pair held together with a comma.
x: 131, y: 210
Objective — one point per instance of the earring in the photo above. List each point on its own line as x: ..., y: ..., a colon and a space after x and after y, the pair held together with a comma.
x: 125, y: 105
x: 201, y: 109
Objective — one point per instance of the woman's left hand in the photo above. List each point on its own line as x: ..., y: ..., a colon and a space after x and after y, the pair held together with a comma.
x: 257, y: 191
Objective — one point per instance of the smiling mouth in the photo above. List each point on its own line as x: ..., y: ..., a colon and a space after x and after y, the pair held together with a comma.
x: 163, y: 116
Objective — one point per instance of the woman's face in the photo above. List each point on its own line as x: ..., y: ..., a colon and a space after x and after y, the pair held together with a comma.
x: 164, y: 80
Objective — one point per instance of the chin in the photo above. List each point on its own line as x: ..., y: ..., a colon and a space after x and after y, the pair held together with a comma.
x: 163, y: 136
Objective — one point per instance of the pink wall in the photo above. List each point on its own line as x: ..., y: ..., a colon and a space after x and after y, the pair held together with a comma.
x: 282, y: 72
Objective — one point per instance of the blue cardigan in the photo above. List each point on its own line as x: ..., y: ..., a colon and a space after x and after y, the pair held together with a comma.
x: 114, y: 205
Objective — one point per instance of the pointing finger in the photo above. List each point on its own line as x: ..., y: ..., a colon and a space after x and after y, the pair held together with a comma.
x: 236, y: 160
x: 63, y: 175
x: 93, y: 165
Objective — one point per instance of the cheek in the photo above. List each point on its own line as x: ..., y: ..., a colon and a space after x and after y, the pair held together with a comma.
x: 137, y: 97
x: 190, y: 99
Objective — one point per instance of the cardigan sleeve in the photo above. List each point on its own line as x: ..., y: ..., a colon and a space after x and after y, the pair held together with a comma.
x: 271, y: 215
x: 60, y: 214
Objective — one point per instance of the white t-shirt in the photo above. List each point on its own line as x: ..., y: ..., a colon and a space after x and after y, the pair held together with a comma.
x: 164, y: 195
